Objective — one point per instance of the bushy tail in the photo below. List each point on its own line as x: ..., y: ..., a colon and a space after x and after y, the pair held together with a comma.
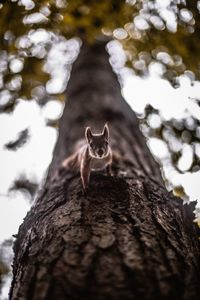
x: 71, y: 163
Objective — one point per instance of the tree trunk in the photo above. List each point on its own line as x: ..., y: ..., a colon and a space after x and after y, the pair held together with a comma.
x: 127, y: 237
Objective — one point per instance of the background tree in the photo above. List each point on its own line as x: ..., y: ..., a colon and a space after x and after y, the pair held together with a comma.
x: 86, y: 234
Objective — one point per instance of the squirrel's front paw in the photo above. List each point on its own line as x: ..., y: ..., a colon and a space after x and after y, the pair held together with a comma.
x: 85, y: 188
x: 109, y: 173
x: 85, y: 191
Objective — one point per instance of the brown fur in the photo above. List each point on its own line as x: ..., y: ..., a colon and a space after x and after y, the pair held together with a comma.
x: 96, y: 154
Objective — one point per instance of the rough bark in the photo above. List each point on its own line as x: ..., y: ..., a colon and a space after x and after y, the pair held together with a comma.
x: 127, y: 238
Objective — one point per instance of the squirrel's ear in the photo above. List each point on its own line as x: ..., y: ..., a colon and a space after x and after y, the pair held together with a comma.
x: 88, y: 134
x: 106, y: 132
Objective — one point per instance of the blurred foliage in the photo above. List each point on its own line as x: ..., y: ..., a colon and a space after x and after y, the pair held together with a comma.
x: 22, y: 138
x: 149, y: 31
x: 182, y: 139
x: 5, y: 259
x: 3, y: 269
x: 36, y: 34
x: 52, y: 123
x: 25, y: 185
x: 176, y: 134
x: 169, y: 35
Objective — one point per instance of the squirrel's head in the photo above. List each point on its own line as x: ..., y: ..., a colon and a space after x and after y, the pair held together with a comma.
x: 98, y: 142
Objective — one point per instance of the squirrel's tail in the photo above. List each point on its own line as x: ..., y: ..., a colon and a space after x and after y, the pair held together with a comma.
x: 70, y: 162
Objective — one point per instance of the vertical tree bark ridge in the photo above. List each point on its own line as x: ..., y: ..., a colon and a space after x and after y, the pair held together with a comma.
x: 127, y: 238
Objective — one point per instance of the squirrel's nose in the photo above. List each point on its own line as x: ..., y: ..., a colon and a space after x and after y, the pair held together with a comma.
x: 100, y: 152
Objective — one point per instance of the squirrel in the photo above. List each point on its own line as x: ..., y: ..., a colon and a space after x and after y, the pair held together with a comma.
x: 96, y: 154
